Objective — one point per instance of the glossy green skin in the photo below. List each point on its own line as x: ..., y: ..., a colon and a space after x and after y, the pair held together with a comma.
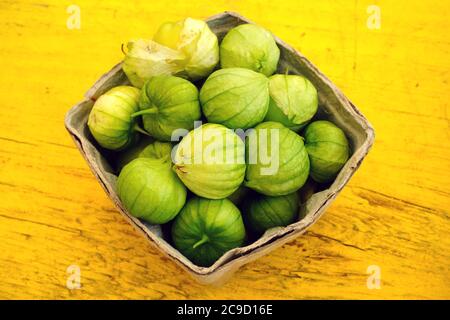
x: 249, y: 46
x: 150, y: 190
x: 264, y: 212
x: 206, y: 229
x: 293, y: 162
x: 204, y: 177
x: 110, y: 119
x: 328, y: 150
x: 237, y: 98
x: 174, y: 104
x: 146, y: 59
x: 293, y: 100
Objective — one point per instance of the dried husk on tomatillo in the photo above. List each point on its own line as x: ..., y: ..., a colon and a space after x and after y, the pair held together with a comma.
x: 168, y: 103
x: 277, y: 160
x: 147, y: 58
x: 328, y: 150
x: 197, y: 43
x: 110, y: 120
x: 249, y: 46
x: 263, y: 212
x: 293, y: 100
x: 149, y: 189
x: 210, y: 161
x: 237, y: 98
x: 206, y: 229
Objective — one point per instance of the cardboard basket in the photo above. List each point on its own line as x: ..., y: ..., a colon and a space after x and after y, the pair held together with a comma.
x: 333, y: 105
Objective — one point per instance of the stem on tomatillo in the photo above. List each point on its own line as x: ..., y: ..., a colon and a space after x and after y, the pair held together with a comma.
x: 146, y: 111
x: 140, y: 130
x: 203, y: 240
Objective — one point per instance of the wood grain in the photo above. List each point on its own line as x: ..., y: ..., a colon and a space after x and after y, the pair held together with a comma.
x: 394, y: 213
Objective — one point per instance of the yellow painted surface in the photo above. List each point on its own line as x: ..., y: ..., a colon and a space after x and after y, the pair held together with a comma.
x: 393, y: 214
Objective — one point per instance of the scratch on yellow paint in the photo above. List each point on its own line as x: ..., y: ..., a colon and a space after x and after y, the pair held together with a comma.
x: 394, y: 214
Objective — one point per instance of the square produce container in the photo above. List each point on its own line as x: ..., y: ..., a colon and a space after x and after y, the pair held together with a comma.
x: 333, y: 105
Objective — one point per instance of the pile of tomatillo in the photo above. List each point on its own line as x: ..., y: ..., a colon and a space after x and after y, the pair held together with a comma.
x: 209, y: 139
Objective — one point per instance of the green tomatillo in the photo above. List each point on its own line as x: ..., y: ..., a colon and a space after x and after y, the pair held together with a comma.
x: 263, y: 212
x: 210, y: 161
x: 293, y: 100
x: 205, y: 229
x: 277, y: 160
x: 249, y: 46
x: 328, y: 150
x: 110, y: 120
x: 149, y: 189
x: 238, y: 98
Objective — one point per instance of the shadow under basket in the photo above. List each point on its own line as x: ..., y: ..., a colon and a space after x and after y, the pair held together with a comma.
x: 333, y: 105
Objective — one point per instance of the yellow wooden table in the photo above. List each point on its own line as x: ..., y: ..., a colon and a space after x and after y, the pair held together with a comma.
x: 390, y: 57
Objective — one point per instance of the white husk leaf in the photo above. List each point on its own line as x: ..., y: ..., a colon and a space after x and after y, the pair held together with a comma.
x: 200, y: 45
x: 147, y: 58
